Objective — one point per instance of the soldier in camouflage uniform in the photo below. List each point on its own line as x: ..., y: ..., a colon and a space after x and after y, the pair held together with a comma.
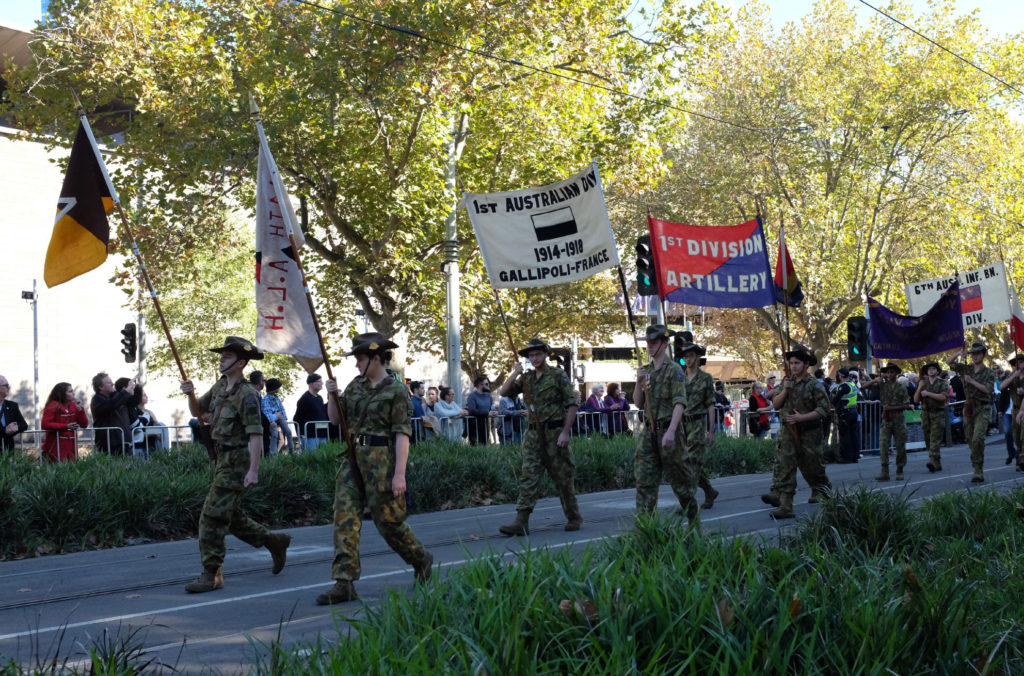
x: 1014, y: 384
x: 698, y: 421
x: 237, y: 430
x: 932, y: 393
x: 979, y: 385
x: 661, y: 392
x: 550, y: 413
x: 802, y: 403
x: 895, y: 400
x: 377, y: 409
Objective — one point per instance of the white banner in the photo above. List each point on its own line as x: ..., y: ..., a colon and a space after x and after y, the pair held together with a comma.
x: 984, y: 295
x: 551, y: 234
x: 284, y: 322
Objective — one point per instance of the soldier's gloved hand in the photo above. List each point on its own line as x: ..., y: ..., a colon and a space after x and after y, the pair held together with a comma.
x: 251, y: 478
x: 563, y: 439
x: 187, y: 387
x: 331, y: 385
x: 398, y: 484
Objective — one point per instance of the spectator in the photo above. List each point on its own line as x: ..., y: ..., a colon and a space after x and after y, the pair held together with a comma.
x: 512, y: 411
x: 62, y: 418
x: 617, y: 406
x: 417, y: 391
x: 147, y: 435
x: 597, y: 410
x: 259, y: 381
x: 480, y: 405
x: 11, y: 421
x: 759, y: 410
x: 280, y: 430
x: 111, y: 412
x: 769, y: 386
x: 722, y: 405
x: 311, y: 409
x: 450, y: 415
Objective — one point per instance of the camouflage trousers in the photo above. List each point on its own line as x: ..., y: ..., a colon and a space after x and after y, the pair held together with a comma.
x: 1018, y: 439
x: 975, y: 429
x: 540, y: 453
x: 934, y: 425
x: 679, y: 465
x: 808, y: 459
x: 222, y: 512
x: 376, y: 464
x: 893, y: 430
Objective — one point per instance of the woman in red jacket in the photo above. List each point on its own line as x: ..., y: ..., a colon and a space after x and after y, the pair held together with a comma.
x: 62, y: 416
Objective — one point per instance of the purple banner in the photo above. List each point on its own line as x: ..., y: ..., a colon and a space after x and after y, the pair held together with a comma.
x: 896, y: 336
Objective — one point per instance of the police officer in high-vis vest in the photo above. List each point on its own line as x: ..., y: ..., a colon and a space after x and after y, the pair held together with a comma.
x: 845, y: 401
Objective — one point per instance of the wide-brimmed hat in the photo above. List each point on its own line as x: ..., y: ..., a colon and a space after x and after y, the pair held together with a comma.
x: 657, y: 332
x: 369, y: 343
x: 978, y: 347
x: 240, y: 346
x: 1016, y: 358
x: 892, y: 367
x: 931, y: 364
x: 804, y: 355
x: 534, y: 344
x: 273, y: 385
x: 688, y: 344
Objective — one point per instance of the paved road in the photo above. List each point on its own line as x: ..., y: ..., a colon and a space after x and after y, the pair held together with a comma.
x: 60, y: 605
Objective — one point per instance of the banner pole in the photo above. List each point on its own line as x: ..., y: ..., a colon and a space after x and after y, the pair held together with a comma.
x: 504, y: 321
x: 629, y: 314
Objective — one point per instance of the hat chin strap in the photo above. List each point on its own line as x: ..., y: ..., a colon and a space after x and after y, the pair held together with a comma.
x: 225, y: 369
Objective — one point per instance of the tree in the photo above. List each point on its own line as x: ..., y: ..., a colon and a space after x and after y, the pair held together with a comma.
x: 882, y: 155
x: 358, y: 117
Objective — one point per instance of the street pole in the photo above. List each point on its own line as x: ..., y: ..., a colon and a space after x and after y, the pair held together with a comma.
x: 33, y: 297
x: 456, y: 142
x: 141, y: 345
x: 867, y: 315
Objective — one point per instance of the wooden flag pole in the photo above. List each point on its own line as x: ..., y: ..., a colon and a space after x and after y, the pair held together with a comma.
x: 629, y: 315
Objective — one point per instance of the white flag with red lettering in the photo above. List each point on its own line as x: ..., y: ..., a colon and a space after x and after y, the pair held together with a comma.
x: 284, y: 321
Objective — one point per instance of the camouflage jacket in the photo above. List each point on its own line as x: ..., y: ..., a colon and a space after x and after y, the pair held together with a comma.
x: 806, y: 395
x: 1017, y: 392
x: 548, y: 395
x: 984, y: 375
x: 939, y: 386
x: 700, y: 394
x: 234, y: 414
x: 384, y: 410
x: 665, y: 387
x: 893, y: 394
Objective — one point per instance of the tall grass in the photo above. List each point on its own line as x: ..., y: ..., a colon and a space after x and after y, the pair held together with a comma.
x: 104, y: 501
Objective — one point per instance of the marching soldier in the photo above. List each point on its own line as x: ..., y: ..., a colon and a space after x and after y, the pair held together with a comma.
x: 661, y: 392
x: 1014, y: 383
x: 699, y: 421
x: 237, y: 432
x: 979, y: 383
x: 802, y: 403
x: 895, y: 400
x: 551, y: 411
x: 377, y: 408
x: 932, y: 393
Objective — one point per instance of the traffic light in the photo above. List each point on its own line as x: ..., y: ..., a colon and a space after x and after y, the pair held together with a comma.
x: 857, y: 338
x: 646, y: 277
x: 678, y: 340
x: 128, y: 341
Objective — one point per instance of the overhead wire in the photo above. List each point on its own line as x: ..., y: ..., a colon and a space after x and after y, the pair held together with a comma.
x: 644, y: 99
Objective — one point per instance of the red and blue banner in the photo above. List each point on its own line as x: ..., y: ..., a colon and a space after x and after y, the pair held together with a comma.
x: 712, y: 266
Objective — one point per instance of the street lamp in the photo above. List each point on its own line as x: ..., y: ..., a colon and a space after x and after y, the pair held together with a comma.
x: 33, y: 298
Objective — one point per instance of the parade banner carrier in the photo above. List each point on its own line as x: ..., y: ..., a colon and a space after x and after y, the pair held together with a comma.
x: 713, y: 266
x: 284, y: 324
x: 984, y: 295
x: 896, y: 336
x: 552, y: 234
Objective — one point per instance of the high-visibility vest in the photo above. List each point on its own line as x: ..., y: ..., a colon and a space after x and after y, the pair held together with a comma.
x: 850, y: 399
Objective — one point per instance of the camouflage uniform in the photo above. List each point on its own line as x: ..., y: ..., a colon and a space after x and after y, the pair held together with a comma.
x: 375, y: 415
x: 700, y: 393
x: 806, y: 395
x: 976, y: 422
x: 933, y: 418
x: 548, y: 396
x: 665, y: 387
x: 894, y: 424
x: 1017, y: 397
x: 237, y: 416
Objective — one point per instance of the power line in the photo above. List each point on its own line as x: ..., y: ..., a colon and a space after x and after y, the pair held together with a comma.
x: 644, y: 99
x: 943, y: 48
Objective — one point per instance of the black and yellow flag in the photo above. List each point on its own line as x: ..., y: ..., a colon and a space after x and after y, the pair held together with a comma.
x: 80, y: 231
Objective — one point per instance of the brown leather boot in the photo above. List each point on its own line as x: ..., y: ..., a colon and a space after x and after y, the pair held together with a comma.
x: 424, y: 569
x: 710, y: 495
x: 343, y: 591
x: 521, y: 526
x: 785, y: 508
x: 770, y: 499
x: 277, y: 544
x: 884, y: 475
x: 209, y: 580
x: 979, y: 476
x: 899, y: 472
x: 574, y: 518
x: 817, y: 492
